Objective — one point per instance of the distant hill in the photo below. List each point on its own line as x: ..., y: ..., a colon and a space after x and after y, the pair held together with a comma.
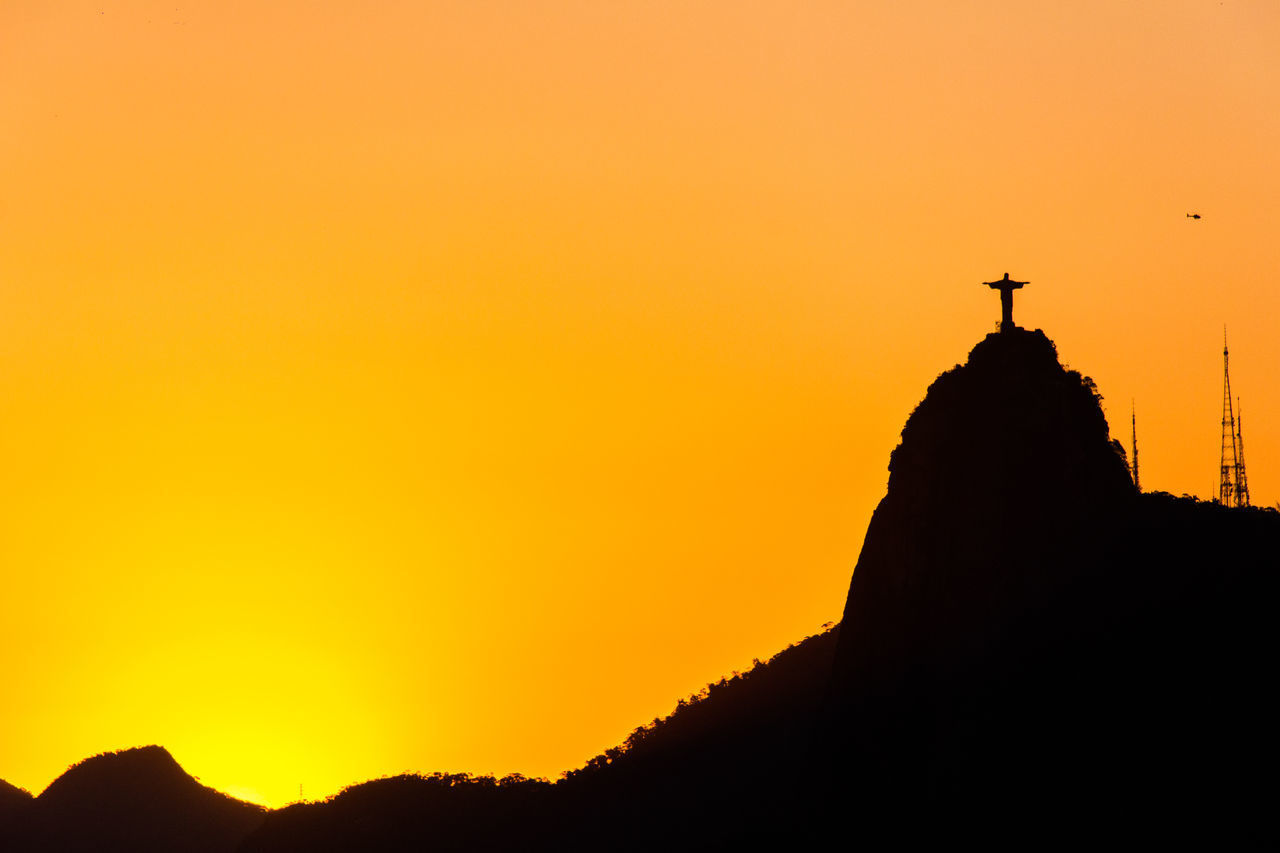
x: 134, y: 800
x: 13, y: 800
x: 411, y: 812
x: 718, y: 761
x: 698, y: 777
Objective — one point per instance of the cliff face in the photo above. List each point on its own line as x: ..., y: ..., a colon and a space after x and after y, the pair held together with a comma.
x: 1022, y: 627
x: 1001, y: 469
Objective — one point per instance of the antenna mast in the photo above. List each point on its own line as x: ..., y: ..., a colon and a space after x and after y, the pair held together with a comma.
x: 1242, y: 479
x: 1133, y: 415
x: 1233, y: 486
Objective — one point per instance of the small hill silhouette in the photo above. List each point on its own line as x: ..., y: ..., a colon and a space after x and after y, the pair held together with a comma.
x: 136, y: 800
x: 411, y: 812
x: 703, y: 776
x: 13, y: 801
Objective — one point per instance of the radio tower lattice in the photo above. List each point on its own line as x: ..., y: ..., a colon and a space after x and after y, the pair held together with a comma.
x: 1233, y: 484
x: 1242, y: 479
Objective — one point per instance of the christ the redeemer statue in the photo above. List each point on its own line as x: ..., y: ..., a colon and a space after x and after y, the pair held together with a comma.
x: 1006, y: 286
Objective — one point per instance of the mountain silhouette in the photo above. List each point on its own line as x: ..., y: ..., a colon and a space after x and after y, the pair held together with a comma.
x: 133, y: 800
x: 13, y: 801
x: 1032, y: 652
x: 411, y: 812
x: 1026, y: 639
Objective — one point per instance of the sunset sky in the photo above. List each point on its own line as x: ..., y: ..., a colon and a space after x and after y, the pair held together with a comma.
x: 415, y: 386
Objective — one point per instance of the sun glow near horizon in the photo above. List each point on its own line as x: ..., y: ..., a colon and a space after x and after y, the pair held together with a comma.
x: 453, y: 386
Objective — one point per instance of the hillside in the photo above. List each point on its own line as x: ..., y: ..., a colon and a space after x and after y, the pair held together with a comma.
x: 1032, y: 653
x: 721, y: 760
x: 730, y: 767
x: 1028, y: 642
x: 13, y: 801
x: 134, y: 800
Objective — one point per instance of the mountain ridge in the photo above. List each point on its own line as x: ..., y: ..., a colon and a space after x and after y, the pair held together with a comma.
x: 1031, y: 652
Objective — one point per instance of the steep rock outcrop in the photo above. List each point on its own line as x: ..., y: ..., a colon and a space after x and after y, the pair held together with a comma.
x: 1014, y: 649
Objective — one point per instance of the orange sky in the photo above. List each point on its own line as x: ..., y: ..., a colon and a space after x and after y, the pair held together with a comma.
x: 453, y: 386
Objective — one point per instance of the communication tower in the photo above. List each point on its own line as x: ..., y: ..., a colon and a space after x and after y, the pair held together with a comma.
x: 1233, y: 484
x: 1133, y: 415
x: 1242, y: 479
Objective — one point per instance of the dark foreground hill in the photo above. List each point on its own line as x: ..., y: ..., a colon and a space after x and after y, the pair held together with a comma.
x: 1032, y: 653
x: 1032, y: 649
x: 134, y: 800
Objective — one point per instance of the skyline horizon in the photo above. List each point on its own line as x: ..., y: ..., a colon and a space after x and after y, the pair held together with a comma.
x: 458, y: 385
x: 253, y: 796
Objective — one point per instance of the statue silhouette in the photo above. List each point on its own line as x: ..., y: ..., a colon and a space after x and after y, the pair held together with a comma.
x: 1006, y: 286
